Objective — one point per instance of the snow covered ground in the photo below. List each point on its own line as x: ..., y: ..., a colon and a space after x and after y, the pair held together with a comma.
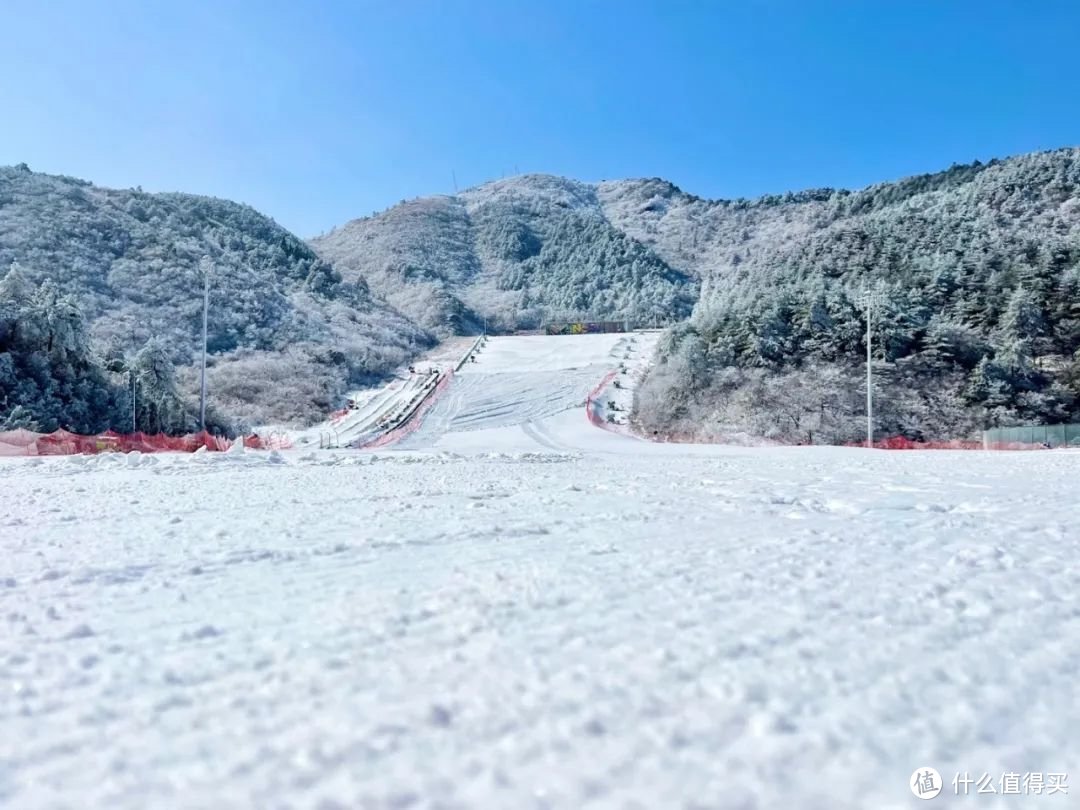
x: 496, y: 620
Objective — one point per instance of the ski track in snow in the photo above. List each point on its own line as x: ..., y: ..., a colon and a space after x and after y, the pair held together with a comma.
x: 551, y: 616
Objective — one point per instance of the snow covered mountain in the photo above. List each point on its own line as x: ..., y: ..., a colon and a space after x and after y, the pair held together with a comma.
x: 515, y: 252
x: 287, y: 334
x: 976, y: 271
x: 976, y: 274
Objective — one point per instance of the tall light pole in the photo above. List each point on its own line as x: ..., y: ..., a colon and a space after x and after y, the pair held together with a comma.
x: 205, y: 264
x: 135, y: 377
x: 869, y: 372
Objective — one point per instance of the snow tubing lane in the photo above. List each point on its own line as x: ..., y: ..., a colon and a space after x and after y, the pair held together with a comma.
x: 414, y: 420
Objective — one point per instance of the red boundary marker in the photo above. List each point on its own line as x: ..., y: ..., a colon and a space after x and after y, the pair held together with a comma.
x: 65, y: 443
x: 590, y: 400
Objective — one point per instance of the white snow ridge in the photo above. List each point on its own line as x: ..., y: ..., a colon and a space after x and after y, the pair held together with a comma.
x: 514, y: 608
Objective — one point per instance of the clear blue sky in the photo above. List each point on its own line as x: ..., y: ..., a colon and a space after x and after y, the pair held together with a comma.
x: 319, y: 115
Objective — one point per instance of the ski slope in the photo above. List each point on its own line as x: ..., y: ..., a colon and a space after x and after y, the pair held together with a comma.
x: 529, y: 393
x: 526, y: 392
x: 514, y: 608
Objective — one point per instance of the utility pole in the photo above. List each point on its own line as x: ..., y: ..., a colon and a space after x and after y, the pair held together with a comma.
x: 205, y: 310
x: 869, y: 374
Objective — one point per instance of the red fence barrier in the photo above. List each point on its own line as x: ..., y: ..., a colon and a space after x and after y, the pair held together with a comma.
x: 902, y: 443
x: 63, y: 443
x: 590, y: 400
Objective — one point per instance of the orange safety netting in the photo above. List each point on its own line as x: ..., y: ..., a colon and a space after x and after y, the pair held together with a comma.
x: 63, y: 443
x: 590, y: 401
x: 902, y: 443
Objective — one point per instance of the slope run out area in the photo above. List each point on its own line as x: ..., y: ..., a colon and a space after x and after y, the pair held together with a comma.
x: 753, y: 628
x: 528, y: 393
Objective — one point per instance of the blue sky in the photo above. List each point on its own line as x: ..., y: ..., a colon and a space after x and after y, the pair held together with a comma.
x: 319, y: 115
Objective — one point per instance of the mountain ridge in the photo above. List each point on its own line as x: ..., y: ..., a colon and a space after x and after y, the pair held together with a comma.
x: 973, y: 261
x: 772, y: 285
x: 514, y: 252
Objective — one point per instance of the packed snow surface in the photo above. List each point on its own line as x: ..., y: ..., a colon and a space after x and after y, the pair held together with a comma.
x: 612, y: 624
x: 519, y: 389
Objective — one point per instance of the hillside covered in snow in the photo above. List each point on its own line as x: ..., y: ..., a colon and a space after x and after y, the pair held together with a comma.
x: 286, y: 333
x: 975, y: 272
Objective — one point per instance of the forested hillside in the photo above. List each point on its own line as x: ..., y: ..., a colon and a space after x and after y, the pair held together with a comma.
x: 975, y: 272
x: 125, y: 272
x: 515, y: 252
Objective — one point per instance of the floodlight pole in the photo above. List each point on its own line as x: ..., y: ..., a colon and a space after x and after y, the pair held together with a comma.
x: 202, y: 386
x: 869, y: 378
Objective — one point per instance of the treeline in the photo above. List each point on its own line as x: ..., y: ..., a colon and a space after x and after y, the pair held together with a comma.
x: 974, y: 271
x: 962, y: 340
x: 976, y: 275
x: 51, y: 377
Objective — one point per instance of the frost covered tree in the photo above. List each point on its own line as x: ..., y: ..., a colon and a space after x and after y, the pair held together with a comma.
x: 159, y: 407
x: 49, y: 377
